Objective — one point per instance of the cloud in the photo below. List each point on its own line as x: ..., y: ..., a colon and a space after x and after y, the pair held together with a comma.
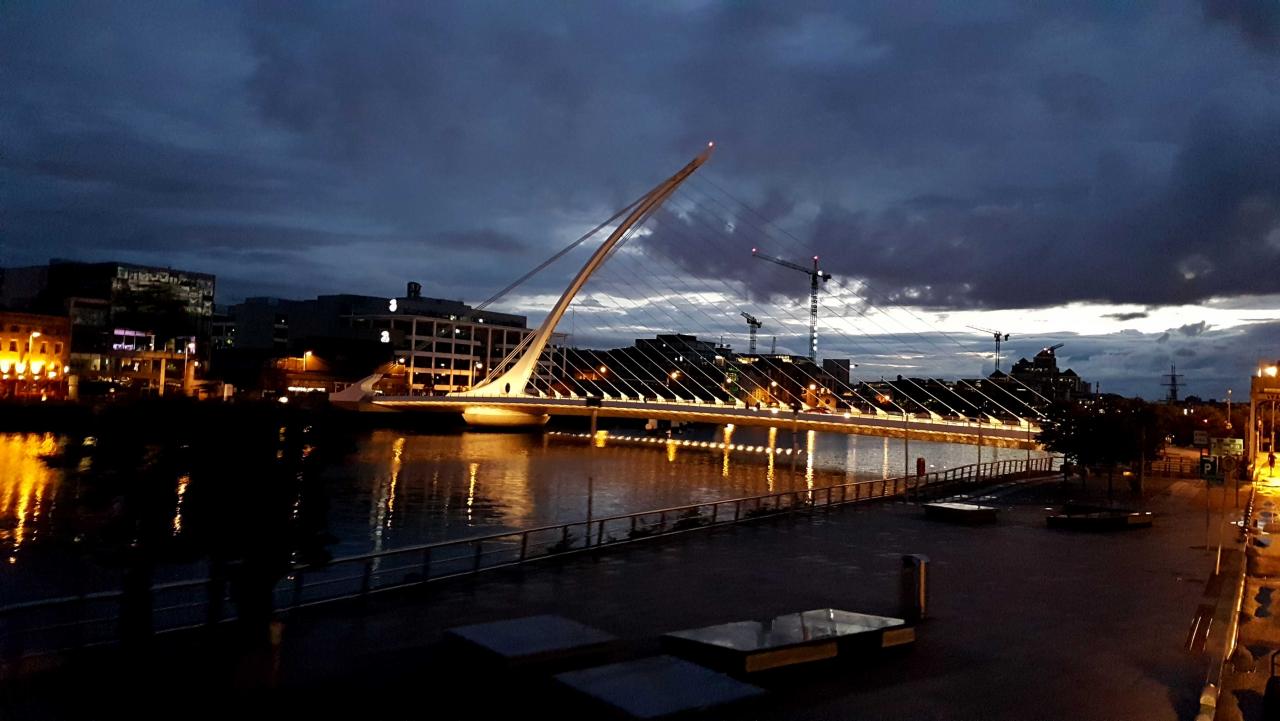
x: 483, y: 239
x: 1192, y: 330
x: 1126, y: 316
x: 1258, y: 21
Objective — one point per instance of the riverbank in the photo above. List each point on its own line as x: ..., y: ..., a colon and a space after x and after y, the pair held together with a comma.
x: 160, y: 414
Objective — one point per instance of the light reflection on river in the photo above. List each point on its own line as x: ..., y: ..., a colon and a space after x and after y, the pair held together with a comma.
x: 26, y: 489
x: 401, y: 489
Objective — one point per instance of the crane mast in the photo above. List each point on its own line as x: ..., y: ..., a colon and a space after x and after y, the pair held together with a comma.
x: 814, y: 276
x: 999, y: 338
x: 754, y: 325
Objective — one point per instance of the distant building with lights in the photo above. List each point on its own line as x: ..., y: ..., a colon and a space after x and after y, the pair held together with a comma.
x: 425, y: 345
x: 1041, y: 375
x: 132, y: 327
x: 34, y: 352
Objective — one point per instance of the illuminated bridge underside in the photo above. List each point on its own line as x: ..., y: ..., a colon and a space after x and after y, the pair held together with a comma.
x: 521, y: 411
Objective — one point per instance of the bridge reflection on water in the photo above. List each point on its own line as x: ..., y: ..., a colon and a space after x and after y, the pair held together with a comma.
x: 399, y: 489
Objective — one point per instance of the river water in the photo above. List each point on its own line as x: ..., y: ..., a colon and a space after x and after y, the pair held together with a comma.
x: 395, y: 489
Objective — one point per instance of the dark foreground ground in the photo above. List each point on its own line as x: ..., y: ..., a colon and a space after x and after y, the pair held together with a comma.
x: 1025, y: 623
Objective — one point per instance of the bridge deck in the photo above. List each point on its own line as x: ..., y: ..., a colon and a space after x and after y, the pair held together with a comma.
x: 1021, y: 436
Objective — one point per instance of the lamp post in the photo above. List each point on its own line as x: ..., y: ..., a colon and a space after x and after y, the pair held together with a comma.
x: 186, y: 366
x: 26, y: 365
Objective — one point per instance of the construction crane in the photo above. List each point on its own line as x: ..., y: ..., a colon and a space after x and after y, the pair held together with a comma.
x: 754, y: 325
x: 814, y: 276
x: 999, y: 338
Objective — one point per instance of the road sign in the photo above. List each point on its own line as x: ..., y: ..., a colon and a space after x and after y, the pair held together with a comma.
x: 1200, y: 439
x: 1226, y: 446
x: 1208, y: 466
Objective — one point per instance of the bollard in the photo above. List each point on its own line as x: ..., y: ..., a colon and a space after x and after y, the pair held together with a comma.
x: 915, y: 587
x: 920, y: 469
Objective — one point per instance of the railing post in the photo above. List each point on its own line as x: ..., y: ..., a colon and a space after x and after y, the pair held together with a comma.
x: 475, y: 566
x: 600, y: 533
x: 297, y: 592
x: 715, y: 511
x: 737, y: 510
x: 426, y: 563
x: 366, y: 578
x: 214, y: 593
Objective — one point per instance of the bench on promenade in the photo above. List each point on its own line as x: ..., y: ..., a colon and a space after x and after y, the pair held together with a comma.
x: 746, y: 647
x: 533, y: 640
x: 965, y: 513
x: 656, y: 687
x: 1079, y: 517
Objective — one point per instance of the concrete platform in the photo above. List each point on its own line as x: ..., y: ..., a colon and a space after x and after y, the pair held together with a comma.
x: 965, y: 513
x: 657, y: 687
x: 532, y: 640
x: 745, y: 647
x: 1099, y: 519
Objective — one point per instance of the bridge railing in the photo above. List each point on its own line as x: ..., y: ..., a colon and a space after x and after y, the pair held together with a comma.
x: 106, y: 617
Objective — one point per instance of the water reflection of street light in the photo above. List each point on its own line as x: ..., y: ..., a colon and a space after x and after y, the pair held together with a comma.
x: 305, y: 355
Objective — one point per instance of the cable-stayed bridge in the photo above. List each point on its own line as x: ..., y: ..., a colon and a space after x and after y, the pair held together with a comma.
x: 668, y: 262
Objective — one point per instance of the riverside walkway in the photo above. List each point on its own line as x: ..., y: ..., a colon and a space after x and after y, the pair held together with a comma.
x: 1025, y: 622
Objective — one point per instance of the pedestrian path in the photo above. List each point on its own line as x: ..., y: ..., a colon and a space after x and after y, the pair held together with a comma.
x: 1259, y: 634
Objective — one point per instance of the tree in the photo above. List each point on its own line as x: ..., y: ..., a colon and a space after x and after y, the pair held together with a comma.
x: 1106, y: 432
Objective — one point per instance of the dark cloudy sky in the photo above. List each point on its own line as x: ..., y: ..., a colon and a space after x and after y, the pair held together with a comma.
x: 1105, y: 174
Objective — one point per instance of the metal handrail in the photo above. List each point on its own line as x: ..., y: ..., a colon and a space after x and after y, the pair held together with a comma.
x: 384, y: 570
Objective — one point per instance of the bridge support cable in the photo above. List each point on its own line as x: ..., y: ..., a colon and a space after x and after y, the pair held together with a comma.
x: 797, y: 242
x: 714, y: 235
x: 560, y: 254
x: 661, y: 386
x: 704, y: 302
x: 629, y: 279
x: 712, y: 387
x: 965, y: 383
x: 517, y: 378
x: 678, y: 272
x: 831, y: 313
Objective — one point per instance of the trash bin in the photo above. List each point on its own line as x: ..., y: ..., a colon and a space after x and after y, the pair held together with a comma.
x: 915, y: 587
